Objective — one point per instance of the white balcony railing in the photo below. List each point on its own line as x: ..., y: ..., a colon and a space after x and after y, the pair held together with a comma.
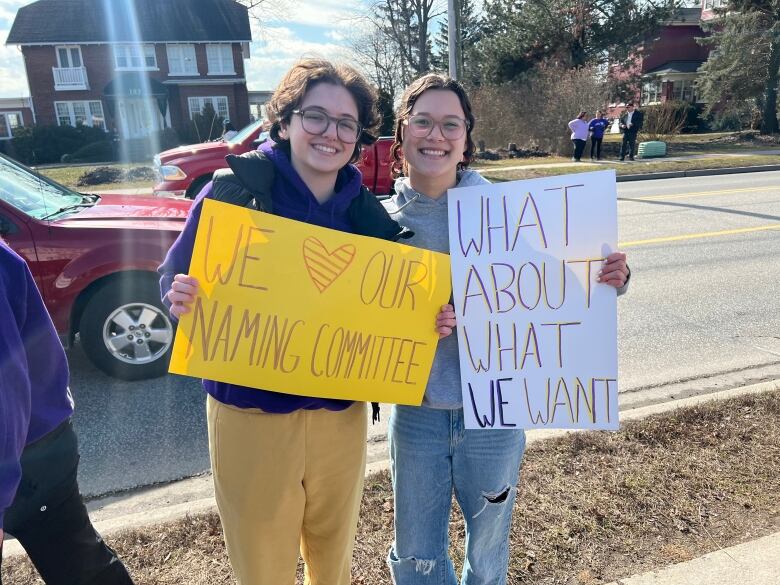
x: 70, y: 78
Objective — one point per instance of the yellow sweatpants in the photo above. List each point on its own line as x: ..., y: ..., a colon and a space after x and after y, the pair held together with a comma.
x: 284, y: 481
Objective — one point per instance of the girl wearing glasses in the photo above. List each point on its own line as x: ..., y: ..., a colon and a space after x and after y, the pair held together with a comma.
x: 431, y: 453
x: 288, y: 470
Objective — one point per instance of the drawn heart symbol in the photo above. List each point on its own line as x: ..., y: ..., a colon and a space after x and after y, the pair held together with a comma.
x: 325, y: 267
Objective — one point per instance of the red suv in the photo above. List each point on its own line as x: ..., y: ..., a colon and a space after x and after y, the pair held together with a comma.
x: 183, y: 171
x: 94, y: 259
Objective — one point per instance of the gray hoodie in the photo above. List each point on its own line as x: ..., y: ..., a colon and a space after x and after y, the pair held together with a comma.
x: 428, y: 219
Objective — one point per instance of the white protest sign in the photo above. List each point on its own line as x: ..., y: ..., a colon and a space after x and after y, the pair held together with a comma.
x: 537, y: 333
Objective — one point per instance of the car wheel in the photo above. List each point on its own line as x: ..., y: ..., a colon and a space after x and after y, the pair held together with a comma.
x: 197, y: 186
x: 126, y: 332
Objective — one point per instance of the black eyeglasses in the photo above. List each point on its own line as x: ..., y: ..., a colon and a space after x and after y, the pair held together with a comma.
x: 451, y: 127
x: 317, y: 123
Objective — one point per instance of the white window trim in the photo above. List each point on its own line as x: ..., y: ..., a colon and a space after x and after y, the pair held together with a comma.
x: 144, y: 67
x: 68, y: 48
x: 679, y: 87
x: 213, y: 98
x: 232, y: 59
x: 647, y: 94
x: 73, y: 114
x: 8, y: 128
x: 180, y: 46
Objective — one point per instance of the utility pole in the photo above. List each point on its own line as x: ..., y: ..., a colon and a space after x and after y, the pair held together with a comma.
x: 453, y: 40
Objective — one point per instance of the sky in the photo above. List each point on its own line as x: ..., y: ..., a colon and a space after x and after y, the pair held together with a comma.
x: 301, y: 28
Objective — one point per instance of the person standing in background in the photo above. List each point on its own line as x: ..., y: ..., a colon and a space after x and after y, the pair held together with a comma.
x: 579, y: 135
x: 597, y: 127
x: 630, y: 123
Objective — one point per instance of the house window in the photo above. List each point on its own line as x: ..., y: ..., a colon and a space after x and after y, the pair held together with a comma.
x: 10, y: 121
x: 75, y: 113
x: 69, y: 57
x: 684, y: 90
x: 219, y: 103
x: 220, y: 59
x: 135, y: 57
x: 181, y: 60
x: 651, y: 92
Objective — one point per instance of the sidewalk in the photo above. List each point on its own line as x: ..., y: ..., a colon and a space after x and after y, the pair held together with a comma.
x: 750, y: 563
x: 753, y: 563
x: 587, y: 165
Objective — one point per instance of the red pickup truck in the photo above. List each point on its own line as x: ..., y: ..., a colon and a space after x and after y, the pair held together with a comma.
x: 183, y: 171
x: 94, y: 259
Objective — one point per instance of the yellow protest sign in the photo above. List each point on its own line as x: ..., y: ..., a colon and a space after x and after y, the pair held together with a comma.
x: 295, y: 308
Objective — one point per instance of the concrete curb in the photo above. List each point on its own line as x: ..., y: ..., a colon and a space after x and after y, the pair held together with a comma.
x: 170, y: 502
x: 752, y: 563
x: 697, y: 173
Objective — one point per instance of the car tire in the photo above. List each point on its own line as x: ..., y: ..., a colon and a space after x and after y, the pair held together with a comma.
x: 125, y: 330
x: 197, y: 186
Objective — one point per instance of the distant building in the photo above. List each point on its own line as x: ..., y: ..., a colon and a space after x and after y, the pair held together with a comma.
x: 668, y: 64
x: 257, y: 103
x: 136, y: 69
x: 14, y: 113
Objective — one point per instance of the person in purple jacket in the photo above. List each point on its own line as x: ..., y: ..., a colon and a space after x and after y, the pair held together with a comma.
x: 288, y: 470
x: 40, y: 503
x: 597, y: 126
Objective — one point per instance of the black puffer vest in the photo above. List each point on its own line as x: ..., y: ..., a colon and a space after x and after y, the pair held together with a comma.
x: 248, y: 181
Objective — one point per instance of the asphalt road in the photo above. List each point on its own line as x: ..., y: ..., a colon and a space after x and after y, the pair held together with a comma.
x: 704, y: 302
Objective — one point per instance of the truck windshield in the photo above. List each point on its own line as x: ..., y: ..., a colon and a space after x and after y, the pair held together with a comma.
x: 245, y: 132
x: 32, y: 194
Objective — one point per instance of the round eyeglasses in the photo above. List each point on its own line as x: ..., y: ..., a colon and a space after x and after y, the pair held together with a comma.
x: 317, y: 123
x: 451, y: 127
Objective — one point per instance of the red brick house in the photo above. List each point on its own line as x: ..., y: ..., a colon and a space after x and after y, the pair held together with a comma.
x: 14, y: 113
x: 134, y: 66
x: 670, y: 62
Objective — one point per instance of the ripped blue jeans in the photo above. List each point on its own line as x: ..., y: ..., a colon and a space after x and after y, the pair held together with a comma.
x: 431, y: 454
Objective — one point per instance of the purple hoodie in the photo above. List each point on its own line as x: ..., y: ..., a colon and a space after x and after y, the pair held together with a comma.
x: 294, y: 200
x: 34, y: 395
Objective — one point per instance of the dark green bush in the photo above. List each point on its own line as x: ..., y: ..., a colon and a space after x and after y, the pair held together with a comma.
x: 36, y: 145
x: 102, y: 151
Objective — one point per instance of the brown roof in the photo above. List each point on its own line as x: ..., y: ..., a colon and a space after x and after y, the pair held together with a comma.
x: 112, y: 21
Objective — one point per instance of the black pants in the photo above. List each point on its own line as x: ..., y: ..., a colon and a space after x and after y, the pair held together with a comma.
x: 579, y: 146
x: 595, y: 147
x: 50, y: 521
x: 628, y: 145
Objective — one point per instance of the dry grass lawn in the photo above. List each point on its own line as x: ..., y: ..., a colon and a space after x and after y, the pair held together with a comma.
x: 69, y: 176
x: 592, y: 508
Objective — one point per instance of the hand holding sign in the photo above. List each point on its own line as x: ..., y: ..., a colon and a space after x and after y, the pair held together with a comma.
x: 183, y: 291
x: 445, y: 321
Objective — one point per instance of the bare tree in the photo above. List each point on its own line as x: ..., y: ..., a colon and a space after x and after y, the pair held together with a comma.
x: 264, y: 10
x: 377, y: 56
x: 407, y: 25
